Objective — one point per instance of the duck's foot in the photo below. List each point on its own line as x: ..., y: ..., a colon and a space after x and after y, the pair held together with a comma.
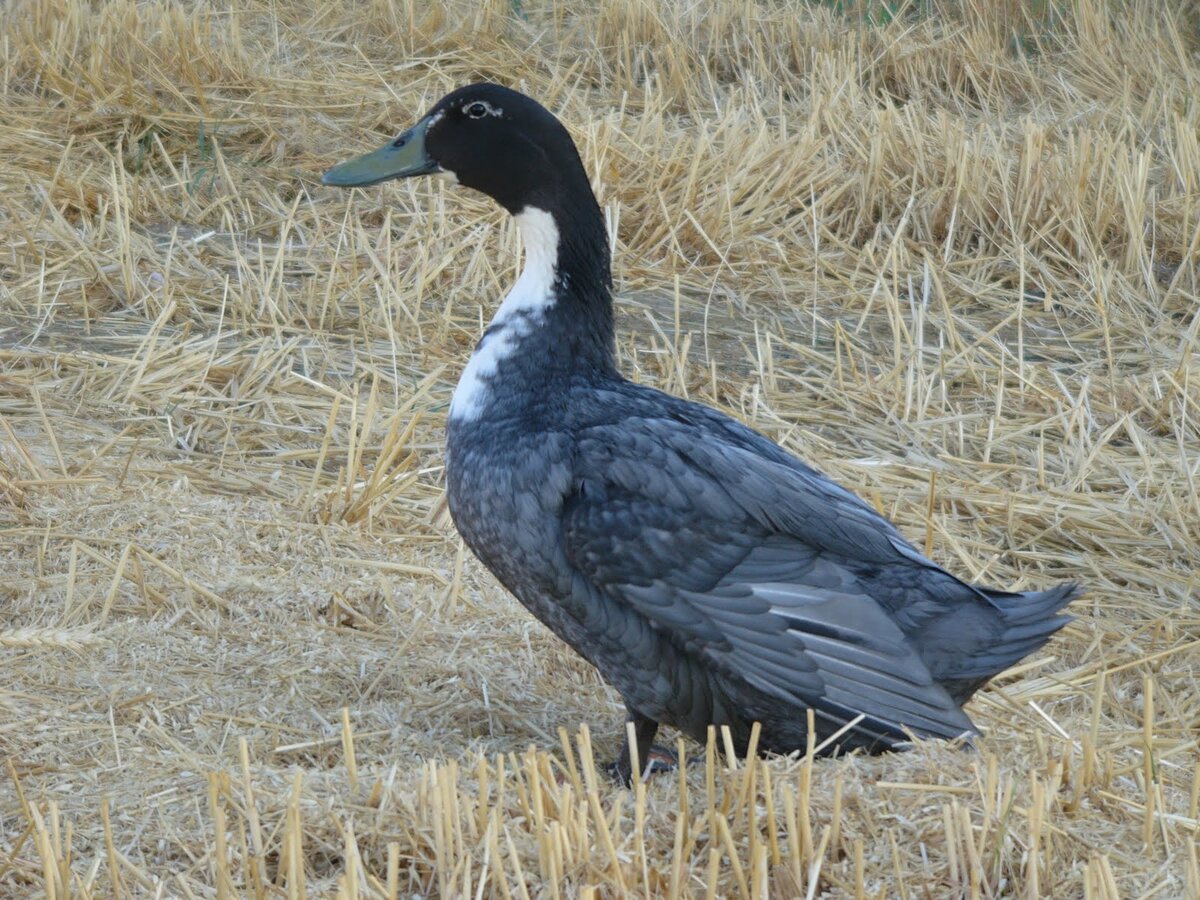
x: 641, y: 730
x: 659, y: 761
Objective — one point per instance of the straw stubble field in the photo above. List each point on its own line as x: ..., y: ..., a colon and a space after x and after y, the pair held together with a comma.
x: 950, y: 258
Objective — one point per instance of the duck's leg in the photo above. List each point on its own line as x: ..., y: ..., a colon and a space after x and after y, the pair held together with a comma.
x: 644, y: 730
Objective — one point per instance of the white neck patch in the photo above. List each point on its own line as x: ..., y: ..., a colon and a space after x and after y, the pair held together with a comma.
x: 517, y: 316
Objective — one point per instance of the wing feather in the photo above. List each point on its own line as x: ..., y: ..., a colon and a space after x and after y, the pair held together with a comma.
x: 742, y: 558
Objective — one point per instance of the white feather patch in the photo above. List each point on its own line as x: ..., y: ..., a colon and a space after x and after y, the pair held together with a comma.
x: 520, y: 312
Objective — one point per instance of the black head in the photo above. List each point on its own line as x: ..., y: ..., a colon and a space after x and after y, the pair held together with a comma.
x: 511, y: 148
x: 489, y: 138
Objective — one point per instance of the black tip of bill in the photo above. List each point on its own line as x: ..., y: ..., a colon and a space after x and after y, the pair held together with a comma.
x: 402, y: 158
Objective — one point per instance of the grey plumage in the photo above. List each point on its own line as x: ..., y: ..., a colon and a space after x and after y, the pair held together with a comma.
x: 714, y: 579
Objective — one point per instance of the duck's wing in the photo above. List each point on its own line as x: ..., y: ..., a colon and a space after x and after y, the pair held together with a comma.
x: 749, y: 563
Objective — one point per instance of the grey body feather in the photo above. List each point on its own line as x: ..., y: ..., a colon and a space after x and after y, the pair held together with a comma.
x: 713, y: 578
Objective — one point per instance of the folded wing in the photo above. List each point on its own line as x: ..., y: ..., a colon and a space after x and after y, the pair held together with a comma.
x: 754, y: 565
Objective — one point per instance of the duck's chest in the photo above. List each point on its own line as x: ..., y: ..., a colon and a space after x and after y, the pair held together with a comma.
x: 506, y: 484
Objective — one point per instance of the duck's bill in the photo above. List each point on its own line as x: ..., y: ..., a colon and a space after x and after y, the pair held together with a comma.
x: 402, y: 158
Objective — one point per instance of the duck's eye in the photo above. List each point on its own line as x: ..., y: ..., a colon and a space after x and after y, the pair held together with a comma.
x: 476, y: 110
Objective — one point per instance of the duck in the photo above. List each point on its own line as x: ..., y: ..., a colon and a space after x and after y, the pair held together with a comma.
x: 711, y: 577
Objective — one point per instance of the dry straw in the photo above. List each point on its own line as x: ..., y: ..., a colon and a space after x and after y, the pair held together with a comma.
x: 947, y: 252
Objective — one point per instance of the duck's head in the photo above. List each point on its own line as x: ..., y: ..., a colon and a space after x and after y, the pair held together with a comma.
x: 486, y: 137
x: 511, y: 148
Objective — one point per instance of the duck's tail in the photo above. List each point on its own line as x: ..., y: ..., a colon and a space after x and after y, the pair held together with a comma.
x: 1028, y: 621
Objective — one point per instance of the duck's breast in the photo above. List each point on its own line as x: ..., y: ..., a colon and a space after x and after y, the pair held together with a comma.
x: 506, y: 483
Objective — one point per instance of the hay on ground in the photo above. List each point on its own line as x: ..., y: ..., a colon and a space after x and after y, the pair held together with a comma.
x: 947, y: 252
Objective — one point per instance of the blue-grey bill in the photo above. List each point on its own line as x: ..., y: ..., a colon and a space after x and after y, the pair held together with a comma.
x: 402, y: 158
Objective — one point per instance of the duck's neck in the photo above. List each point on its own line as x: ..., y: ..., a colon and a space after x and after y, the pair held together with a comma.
x: 567, y: 262
x: 556, y: 321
